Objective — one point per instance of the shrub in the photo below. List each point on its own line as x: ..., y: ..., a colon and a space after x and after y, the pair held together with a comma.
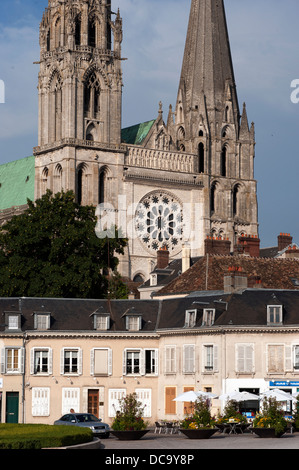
x: 129, y: 418
x: 37, y: 436
x: 271, y: 416
x: 201, y: 416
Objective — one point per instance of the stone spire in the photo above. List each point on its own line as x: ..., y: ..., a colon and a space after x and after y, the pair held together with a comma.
x: 207, y: 83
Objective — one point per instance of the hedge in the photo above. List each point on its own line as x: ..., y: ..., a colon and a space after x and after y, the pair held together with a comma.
x: 38, y: 436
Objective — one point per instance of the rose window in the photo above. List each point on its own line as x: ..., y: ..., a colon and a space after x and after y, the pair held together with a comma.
x: 159, y: 222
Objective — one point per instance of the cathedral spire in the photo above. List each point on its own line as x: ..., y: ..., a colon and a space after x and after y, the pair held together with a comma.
x: 207, y: 68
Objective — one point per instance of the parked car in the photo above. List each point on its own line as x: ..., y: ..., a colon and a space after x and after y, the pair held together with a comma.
x: 88, y: 420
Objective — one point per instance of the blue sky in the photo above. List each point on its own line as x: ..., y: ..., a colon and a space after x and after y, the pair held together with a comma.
x: 264, y: 39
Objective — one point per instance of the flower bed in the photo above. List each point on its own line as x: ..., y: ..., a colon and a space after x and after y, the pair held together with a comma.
x: 271, y: 418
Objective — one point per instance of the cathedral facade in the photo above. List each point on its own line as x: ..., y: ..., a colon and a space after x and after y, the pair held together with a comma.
x: 168, y: 183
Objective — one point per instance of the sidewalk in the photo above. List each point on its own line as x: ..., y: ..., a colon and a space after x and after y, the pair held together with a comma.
x: 218, y: 441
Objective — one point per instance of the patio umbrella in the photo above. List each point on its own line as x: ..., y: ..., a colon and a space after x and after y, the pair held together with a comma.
x: 192, y: 396
x: 278, y: 394
x: 239, y: 396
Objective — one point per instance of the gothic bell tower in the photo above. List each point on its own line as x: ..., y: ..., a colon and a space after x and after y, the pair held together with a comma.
x: 80, y: 95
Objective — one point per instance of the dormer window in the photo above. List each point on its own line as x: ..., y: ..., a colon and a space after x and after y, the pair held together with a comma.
x: 153, y: 279
x: 208, y: 317
x: 12, y: 321
x: 102, y: 321
x: 274, y: 314
x: 42, y: 321
x: 133, y: 322
x: 190, y: 318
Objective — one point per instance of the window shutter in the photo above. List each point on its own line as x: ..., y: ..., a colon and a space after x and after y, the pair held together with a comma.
x: 2, y: 369
x: 62, y: 361
x: 22, y: 360
x: 288, y: 359
x: 80, y: 360
x: 215, y: 358
x: 156, y: 361
x: 109, y: 361
x: 170, y: 405
x: 32, y: 351
x: 92, y: 361
x: 50, y: 359
x: 124, y: 362
x: 142, y: 362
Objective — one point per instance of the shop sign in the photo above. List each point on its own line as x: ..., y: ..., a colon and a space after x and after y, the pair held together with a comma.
x: 284, y: 383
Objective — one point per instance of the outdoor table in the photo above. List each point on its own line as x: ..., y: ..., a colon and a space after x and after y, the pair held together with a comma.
x: 234, y: 427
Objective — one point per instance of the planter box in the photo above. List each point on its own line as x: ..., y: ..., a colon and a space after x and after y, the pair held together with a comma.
x: 129, y: 435
x: 266, y: 432
x: 199, y: 433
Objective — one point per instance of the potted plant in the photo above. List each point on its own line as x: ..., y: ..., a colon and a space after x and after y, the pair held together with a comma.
x: 128, y: 423
x: 270, y: 422
x: 296, y: 416
x: 200, y: 424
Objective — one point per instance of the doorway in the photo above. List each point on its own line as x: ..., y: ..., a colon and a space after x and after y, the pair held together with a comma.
x: 12, y: 407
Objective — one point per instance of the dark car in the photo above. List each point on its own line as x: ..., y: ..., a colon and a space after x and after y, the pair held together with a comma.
x: 86, y: 420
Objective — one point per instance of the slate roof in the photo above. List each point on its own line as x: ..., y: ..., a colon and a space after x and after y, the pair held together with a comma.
x: 243, y: 309
x: 208, y: 274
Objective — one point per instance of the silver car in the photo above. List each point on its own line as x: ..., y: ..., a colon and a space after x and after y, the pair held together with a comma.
x: 88, y: 420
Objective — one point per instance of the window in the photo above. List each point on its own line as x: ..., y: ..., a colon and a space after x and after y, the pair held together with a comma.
x: 12, y: 321
x: 244, y: 358
x: 275, y: 358
x: 12, y: 360
x: 210, y: 358
x: 274, y: 314
x: 188, y: 359
x: 132, y: 362
x: 40, y: 401
x: 41, y: 321
x: 71, y: 361
x: 170, y: 359
x: 170, y: 405
x: 115, y: 395
x: 70, y: 400
x: 151, y: 361
x: 201, y: 158
x: 223, y: 162
x: 41, y: 361
x: 208, y: 317
x: 102, y: 322
x: 101, y: 361
x: 296, y: 357
x: 190, y: 318
x: 133, y: 322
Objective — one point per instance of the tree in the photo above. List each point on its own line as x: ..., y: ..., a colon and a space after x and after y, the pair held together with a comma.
x: 51, y: 250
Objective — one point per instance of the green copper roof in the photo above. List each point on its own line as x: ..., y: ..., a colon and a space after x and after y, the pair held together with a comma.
x: 135, y: 135
x: 16, y: 182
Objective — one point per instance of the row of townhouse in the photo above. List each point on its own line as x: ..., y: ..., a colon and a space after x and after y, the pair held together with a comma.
x: 62, y: 354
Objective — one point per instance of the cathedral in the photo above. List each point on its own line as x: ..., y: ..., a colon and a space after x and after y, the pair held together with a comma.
x: 167, y: 184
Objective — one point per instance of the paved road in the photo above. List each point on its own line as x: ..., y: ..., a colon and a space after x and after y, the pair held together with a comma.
x: 219, y: 441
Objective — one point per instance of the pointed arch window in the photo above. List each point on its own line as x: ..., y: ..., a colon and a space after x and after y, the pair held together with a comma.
x: 92, y: 93
x: 58, y: 33
x: 213, y: 198
x: 235, y: 200
x: 223, y: 162
x: 102, y: 185
x: 92, y: 32
x: 48, y: 41
x: 201, y: 158
x: 56, y: 107
x: 57, y: 179
x: 78, y: 30
x: 80, y: 182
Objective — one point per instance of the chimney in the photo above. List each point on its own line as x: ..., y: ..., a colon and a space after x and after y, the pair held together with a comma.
x: 162, y: 258
x: 248, y: 245
x: 284, y: 240
x: 235, y: 280
x: 292, y: 252
x: 217, y: 246
x: 186, y: 257
x: 255, y: 282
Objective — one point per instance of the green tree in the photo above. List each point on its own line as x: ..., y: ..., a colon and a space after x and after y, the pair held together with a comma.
x: 52, y: 250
